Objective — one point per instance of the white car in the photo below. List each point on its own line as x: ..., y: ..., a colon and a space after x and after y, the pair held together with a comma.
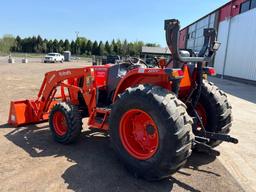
x: 53, y: 58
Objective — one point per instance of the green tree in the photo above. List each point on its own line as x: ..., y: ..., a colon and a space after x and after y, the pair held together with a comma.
x: 137, y: 46
x: 78, y: 46
x: 60, y: 46
x: 131, y: 49
x: 33, y: 44
x: 107, y: 48
x: 88, y: 47
x: 73, y: 47
x: 66, y: 45
x: 50, y: 46
x: 18, y: 44
x: 55, y: 45
x: 101, y: 49
x: 39, y: 44
x: 44, y: 46
x: 119, y: 50
x: 26, y: 45
x: 125, y: 47
x: 95, y: 48
x: 114, y: 47
x: 7, y: 43
x: 82, y: 45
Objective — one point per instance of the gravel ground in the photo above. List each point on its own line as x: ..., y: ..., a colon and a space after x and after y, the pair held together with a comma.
x: 240, y: 158
x: 32, y: 161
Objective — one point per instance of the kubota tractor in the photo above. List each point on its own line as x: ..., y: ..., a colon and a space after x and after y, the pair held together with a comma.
x: 155, y: 116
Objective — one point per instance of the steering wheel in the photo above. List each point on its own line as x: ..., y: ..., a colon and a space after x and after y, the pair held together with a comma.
x: 136, y: 63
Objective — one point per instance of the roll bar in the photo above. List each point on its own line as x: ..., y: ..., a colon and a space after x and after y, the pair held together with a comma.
x: 172, y: 28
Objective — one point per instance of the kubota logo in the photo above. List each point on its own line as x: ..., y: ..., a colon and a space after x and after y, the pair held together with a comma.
x: 153, y: 70
x: 100, y: 69
x: 64, y: 73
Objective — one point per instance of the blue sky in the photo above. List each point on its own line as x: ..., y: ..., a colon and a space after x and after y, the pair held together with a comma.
x: 99, y: 19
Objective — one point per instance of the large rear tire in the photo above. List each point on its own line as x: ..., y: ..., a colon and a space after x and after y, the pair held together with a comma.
x: 151, y: 131
x: 65, y: 123
x: 215, y: 110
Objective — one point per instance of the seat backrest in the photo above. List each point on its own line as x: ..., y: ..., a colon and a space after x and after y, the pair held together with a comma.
x: 115, y: 74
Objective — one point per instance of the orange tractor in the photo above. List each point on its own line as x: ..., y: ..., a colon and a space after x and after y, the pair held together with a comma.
x: 154, y: 116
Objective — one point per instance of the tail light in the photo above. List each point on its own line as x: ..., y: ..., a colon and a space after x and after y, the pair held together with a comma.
x: 209, y: 71
x: 175, y: 73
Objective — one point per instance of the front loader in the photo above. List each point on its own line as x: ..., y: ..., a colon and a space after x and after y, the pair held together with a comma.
x: 155, y: 116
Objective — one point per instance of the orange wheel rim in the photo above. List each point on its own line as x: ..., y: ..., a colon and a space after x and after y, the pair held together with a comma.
x: 60, y: 123
x: 139, y: 134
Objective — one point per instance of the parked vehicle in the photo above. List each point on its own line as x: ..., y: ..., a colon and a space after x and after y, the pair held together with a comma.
x: 53, y: 58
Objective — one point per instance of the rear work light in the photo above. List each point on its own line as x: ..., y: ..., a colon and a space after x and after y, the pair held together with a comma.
x: 175, y: 73
x: 209, y: 71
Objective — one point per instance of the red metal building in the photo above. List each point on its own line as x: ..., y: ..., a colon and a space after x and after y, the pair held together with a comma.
x: 191, y: 36
x: 235, y: 23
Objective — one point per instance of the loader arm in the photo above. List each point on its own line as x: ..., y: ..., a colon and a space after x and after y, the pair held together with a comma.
x: 35, y: 111
x: 53, y: 80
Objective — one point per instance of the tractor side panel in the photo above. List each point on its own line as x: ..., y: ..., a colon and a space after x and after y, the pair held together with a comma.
x: 100, y: 74
x: 148, y: 76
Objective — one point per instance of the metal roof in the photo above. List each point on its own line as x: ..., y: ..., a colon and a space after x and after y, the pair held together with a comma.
x: 155, y: 50
x: 215, y: 10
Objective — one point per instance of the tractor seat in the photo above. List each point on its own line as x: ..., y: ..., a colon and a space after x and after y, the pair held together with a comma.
x: 115, y: 74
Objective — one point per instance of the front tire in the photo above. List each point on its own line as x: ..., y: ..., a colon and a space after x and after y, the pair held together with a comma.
x: 159, y: 140
x: 65, y: 123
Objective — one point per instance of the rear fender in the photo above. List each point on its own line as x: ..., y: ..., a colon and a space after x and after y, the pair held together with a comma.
x: 186, y: 83
x: 138, y: 76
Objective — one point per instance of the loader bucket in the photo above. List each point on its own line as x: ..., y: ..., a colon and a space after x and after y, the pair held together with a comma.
x: 21, y: 112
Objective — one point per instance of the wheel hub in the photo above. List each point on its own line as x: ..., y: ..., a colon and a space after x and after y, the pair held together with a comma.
x: 139, y: 134
x: 150, y: 130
